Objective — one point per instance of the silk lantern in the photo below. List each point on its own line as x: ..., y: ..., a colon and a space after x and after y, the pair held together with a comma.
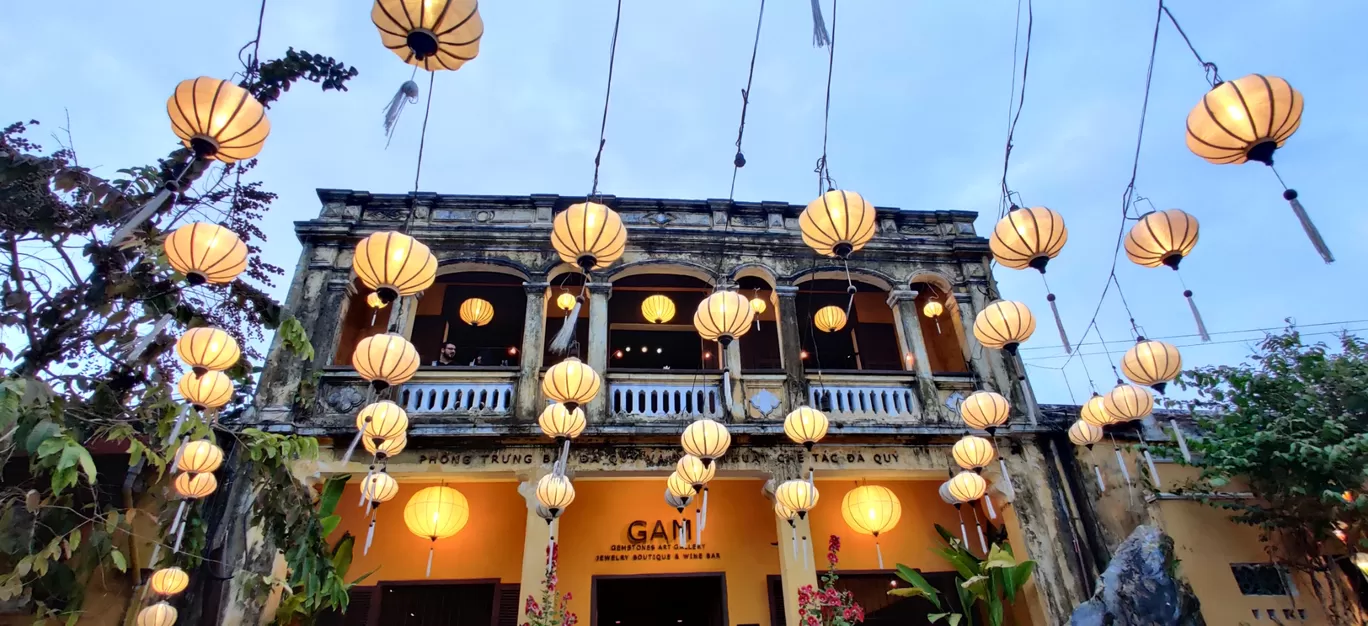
x: 1152, y: 363
x: 431, y: 34
x: 159, y: 614
x: 706, y: 439
x: 588, y: 235
x: 806, y: 426
x: 394, y: 265
x: 1028, y: 238
x: 378, y: 488
x: 723, y: 316
x: 199, y: 457
x: 829, y: 319
x: 169, y: 581
x: 218, y: 119
x: 436, y: 513
x: 1128, y: 403
x: 1004, y: 325
x: 205, y: 253
x: 837, y: 224
x: 560, y: 423
x: 555, y: 492
x: 973, y: 453
x: 658, y: 309
x: 209, y: 391
x: 571, y: 383
x: 385, y: 360
x: 692, y: 470
x: 477, y: 312
x: 207, y: 348
x: 680, y: 486
x: 1094, y: 412
x: 985, y: 410
x: 871, y: 510
x: 798, y: 495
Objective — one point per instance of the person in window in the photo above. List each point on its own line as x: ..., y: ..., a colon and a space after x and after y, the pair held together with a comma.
x: 448, y: 356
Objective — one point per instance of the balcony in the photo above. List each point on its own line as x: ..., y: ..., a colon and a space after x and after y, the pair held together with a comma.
x: 455, y: 392
x: 864, y: 396
x: 652, y: 397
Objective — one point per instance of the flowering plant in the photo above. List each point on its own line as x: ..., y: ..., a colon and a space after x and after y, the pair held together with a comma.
x: 829, y: 606
x: 553, y: 608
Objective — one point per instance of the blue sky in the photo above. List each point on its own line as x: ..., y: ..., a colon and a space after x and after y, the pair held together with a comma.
x: 918, y: 121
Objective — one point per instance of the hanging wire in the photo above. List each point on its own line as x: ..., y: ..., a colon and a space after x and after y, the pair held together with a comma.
x: 823, y: 171
x: 422, y: 143
x: 1128, y: 195
x: 607, y: 95
x: 740, y: 160
x: 1212, y: 74
x: 1021, y: 98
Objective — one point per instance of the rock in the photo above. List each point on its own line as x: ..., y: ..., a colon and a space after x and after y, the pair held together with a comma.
x: 1139, y: 587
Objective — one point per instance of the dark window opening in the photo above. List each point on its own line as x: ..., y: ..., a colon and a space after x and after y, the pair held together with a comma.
x: 359, y: 320
x: 635, y: 342
x: 868, y: 341
x: 760, y: 346
x: 647, y: 600
x: 438, y: 321
x: 1260, y: 579
x: 942, y: 334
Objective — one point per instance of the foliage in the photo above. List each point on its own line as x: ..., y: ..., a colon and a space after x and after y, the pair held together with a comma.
x: 992, y: 582
x: 553, y: 610
x: 87, y: 334
x: 317, y: 571
x: 830, y: 606
x: 1293, y: 425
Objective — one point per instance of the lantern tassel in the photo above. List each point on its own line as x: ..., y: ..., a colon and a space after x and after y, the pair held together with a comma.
x: 726, y: 382
x: 1101, y: 486
x: 1002, y: 464
x: 807, y: 553
x: 983, y: 543
x: 407, y: 94
x: 177, y: 526
x: 176, y: 427
x: 1182, y: 441
x: 1196, y: 316
x: 346, y: 458
x: 136, y: 348
x: 988, y: 504
x: 369, y: 473
x: 429, y: 564
x: 879, y: 551
x: 1125, y: 473
x: 705, y: 515
x: 175, y: 465
x: 819, y: 30
x: 564, y: 458
x: 1154, y: 473
x: 1307, y: 225
x: 1059, y: 323
x: 370, y: 534
x: 964, y: 534
x: 560, y: 344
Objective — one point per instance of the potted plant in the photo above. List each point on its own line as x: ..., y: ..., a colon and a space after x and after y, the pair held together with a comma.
x: 992, y: 582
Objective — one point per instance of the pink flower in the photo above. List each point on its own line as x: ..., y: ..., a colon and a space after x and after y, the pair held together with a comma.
x: 812, y: 620
x: 804, y: 595
x: 567, y: 597
x: 831, y: 558
x: 532, y: 607
x: 832, y: 597
x: 570, y: 619
x: 859, y: 612
x: 834, y: 544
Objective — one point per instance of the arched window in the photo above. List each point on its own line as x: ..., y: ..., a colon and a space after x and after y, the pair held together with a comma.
x: 944, y: 333
x: 359, y: 321
x: 868, y: 341
x: 636, y: 343
x: 760, y: 346
x: 437, y: 323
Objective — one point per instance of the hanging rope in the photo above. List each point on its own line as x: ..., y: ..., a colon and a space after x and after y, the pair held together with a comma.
x: 1021, y: 98
x: 1212, y: 74
x: 740, y: 160
x: 823, y: 171
x: 607, y: 95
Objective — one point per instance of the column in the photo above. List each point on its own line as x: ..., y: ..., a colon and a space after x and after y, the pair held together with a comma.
x: 535, y: 539
x: 596, y: 354
x: 528, y: 405
x: 798, y: 571
x: 790, y: 348
x: 401, y: 317
x: 908, y: 325
x: 1046, y: 533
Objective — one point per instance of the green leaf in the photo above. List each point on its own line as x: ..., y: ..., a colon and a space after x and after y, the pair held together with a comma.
x: 342, y: 554
x: 1020, y: 574
x: 332, y: 492
x: 329, y: 524
x: 87, y: 463
x: 119, y: 561
x: 964, y: 563
x: 978, y: 585
x: 997, y: 557
x: 995, y: 612
x: 919, y: 584
x: 41, y: 432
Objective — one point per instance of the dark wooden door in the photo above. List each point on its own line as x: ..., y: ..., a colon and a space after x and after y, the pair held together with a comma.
x: 691, y: 600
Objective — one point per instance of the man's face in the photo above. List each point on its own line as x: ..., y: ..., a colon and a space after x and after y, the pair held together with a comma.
x: 448, y: 351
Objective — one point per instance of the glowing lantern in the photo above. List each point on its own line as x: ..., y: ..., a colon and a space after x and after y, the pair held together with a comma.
x: 565, y: 301
x: 571, y: 383
x: 783, y: 512
x: 933, y: 309
x: 800, y: 496
x: 379, y: 487
x: 200, y: 456
x: 675, y: 502
x: 385, y: 359
x: 680, y: 486
x: 1004, y: 324
x: 208, y: 348
x: 1152, y: 363
x: 871, y: 509
x: 209, y: 391
x: 1245, y: 119
x: 1028, y: 238
x: 1161, y: 238
x: 589, y: 235
x: 806, y: 426
x: 477, y: 312
x: 436, y: 513
x: 1094, y: 412
x: 758, y: 305
x: 205, y: 253
x: 169, y: 581
x: 967, y: 486
x: 973, y: 453
x: 1248, y: 119
x: 1082, y: 433
x: 658, y: 309
x: 218, y: 119
x: 984, y: 410
x: 723, y: 316
x: 555, y: 492
x: 1127, y: 403
x: 394, y: 265
x: 706, y: 439
x: 194, y: 486
x: 386, y: 448
x: 432, y: 34
x: 560, y: 423
x: 159, y: 614
x: 837, y: 224
x: 374, y: 301
x: 692, y: 470
x: 829, y: 319
x: 382, y: 421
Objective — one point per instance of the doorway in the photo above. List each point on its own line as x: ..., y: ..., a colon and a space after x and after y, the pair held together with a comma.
x: 660, y: 600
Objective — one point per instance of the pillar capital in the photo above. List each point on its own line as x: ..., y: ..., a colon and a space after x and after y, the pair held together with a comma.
x: 899, y: 296
x: 786, y: 291
x: 600, y: 288
x: 535, y: 288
